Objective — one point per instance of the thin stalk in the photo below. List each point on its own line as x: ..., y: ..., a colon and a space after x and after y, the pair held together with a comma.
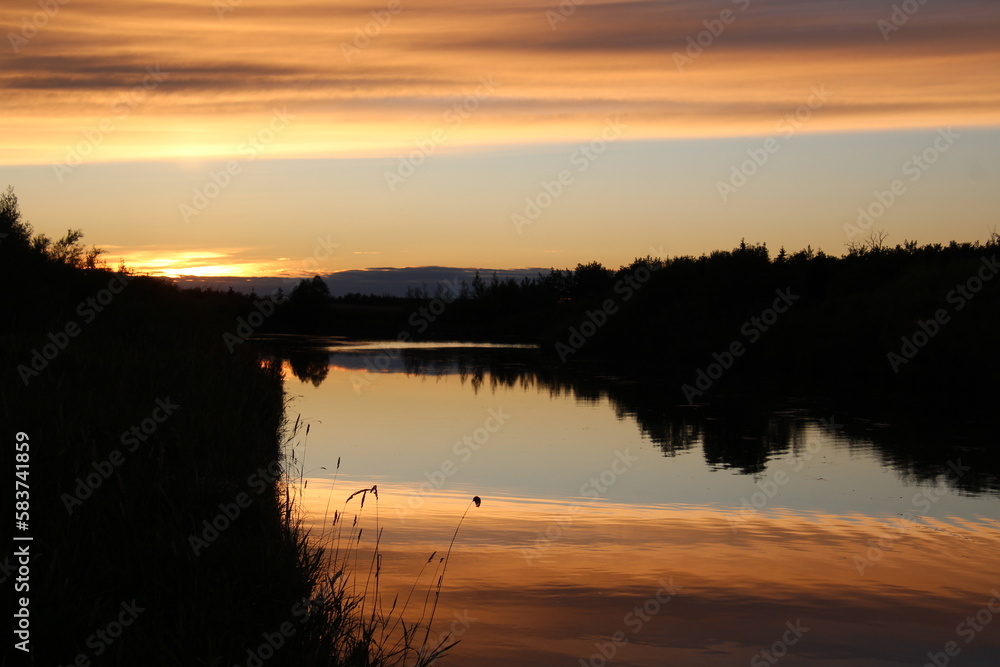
x: 437, y: 594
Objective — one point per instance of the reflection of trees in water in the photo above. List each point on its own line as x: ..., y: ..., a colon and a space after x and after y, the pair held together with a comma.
x: 940, y: 457
x: 738, y: 434
x: 309, y: 366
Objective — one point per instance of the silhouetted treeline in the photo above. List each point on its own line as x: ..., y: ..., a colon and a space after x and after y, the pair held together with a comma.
x: 879, y: 323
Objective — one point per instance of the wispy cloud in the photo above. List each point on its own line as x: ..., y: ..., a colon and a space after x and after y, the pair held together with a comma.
x: 226, y: 75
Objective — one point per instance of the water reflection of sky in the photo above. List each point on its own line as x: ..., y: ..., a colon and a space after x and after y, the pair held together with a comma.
x: 412, y: 428
x: 882, y: 566
x: 548, y: 585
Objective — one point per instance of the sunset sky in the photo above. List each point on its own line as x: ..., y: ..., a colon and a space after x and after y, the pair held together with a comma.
x: 246, y: 137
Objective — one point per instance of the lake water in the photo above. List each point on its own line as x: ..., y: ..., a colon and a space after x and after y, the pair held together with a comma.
x: 619, y: 527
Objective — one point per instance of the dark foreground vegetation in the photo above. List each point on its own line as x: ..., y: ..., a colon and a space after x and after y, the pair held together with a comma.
x: 162, y: 515
x: 905, y: 325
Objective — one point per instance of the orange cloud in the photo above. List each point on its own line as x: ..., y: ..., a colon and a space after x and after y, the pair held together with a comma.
x: 235, y: 262
x: 181, y: 80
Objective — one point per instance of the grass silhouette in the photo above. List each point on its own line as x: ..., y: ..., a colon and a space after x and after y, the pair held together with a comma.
x: 364, y: 630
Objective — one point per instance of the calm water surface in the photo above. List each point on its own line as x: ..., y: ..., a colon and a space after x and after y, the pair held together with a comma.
x: 618, y: 527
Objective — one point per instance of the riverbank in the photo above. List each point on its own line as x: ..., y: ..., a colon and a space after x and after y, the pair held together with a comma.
x: 162, y: 529
x: 157, y: 519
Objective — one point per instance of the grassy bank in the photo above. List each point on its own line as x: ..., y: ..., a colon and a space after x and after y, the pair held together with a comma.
x: 164, y: 532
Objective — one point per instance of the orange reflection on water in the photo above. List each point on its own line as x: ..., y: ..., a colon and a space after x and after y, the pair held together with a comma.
x: 551, y: 582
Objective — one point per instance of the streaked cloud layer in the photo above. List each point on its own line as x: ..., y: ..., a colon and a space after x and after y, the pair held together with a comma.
x: 373, y: 78
x: 250, y: 137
